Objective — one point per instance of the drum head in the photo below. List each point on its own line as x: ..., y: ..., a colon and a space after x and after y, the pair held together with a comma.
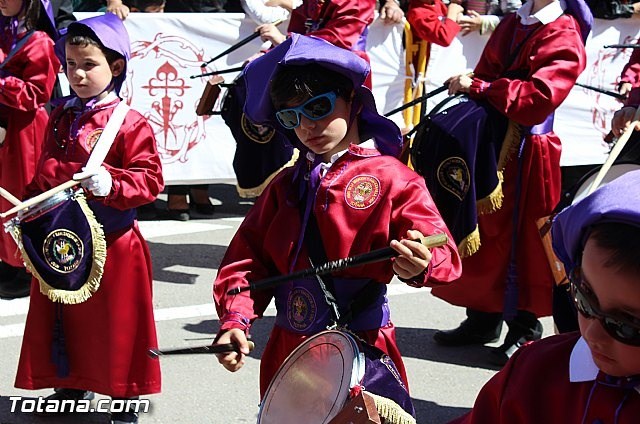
x: 614, y: 172
x: 312, y: 385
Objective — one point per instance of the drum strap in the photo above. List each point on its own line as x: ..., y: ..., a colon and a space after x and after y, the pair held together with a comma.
x: 108, y: 135
x: 317, y: 255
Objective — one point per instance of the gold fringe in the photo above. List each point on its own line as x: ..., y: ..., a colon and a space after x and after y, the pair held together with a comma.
x: 97, y: 264
x: 493, y: 201
x: 470, y: 244
x: 248, y: 193
x: 510, y: 144
x: 391, y: 412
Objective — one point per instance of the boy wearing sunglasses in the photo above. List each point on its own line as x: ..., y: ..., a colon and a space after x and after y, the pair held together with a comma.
x: 592, y: 376
x: 348, y: 181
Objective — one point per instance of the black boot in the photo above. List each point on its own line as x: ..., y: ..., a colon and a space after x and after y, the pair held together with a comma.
x: 478, y: 328
x: 523, y: 329
x: 16, y: 287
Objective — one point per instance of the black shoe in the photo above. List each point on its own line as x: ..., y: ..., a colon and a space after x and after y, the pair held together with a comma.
x: 178, y: 214
x: 467, y: 333
x: 53, y: 403
x: 501, y: 354
x: 19, y: 286
x: 7, y: 272
x: 147, y: 212
x: 126, y: 417
x: 204, y: 208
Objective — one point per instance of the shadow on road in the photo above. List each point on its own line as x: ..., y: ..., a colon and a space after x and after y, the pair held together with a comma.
x: 189, y: 255
x: 418, y: 343
x: 431, y: 412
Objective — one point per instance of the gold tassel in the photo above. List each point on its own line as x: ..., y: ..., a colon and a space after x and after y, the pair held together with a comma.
x: 493, y: 201
x: 391, y: 412
x: 510, y: 144
x: 97, y: 264
x: 248, y: 193
x: 470, y: 244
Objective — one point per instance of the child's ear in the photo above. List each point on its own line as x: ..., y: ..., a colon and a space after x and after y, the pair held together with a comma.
x: 117, y: 67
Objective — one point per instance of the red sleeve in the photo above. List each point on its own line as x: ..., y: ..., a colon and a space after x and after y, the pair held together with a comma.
x: 137, y: 171
x: 419, y: 212
x: 246, y: 259
x: 550, y: 62
x: 31, y: 87
x: 429, y: 22
x: 344, y: 21
x: 631, y: 71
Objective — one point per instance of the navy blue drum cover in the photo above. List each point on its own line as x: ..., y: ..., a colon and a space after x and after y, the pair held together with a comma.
x: 62, y: 245
x: 261, y: 151
x: 459, y: 151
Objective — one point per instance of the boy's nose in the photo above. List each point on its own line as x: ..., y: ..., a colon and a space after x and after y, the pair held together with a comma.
x: 306, y: 122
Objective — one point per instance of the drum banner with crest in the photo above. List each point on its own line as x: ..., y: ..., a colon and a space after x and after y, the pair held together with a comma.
x: 63, y: 246
x: 462, y: 153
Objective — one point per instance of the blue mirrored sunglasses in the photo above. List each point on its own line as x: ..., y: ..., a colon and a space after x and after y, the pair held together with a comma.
x: 315, y: 108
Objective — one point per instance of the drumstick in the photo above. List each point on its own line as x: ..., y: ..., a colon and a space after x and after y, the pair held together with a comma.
x: 39, y: 198
x: 239, y: 44
x: 378, y: 255
x: 419, y: 99
x: 613, y: 155
x: 10, y: 197
x: 222, y: 71
x: 220, y: 348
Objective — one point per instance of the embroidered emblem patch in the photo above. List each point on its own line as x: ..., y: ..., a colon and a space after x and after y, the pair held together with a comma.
x: 453, y: 175
x: 63, y: 250
x: 301, y: 309
x: 92, y: 138
x: 259, y: 133
x: 362, y: 191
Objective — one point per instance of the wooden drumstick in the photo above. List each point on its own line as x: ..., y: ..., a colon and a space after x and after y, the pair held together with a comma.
x: 219, y: 348
x: 613, y: 155
x: 39, y: 198
x: 9, y: 197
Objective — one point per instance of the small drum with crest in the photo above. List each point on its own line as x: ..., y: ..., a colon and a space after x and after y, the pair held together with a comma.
x: 318, y: 378
x: 62, y: 245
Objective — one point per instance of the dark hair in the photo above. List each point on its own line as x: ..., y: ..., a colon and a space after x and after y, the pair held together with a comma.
x: 623, y: 243
x: 82, y: 35
x: 143, y: 4
x: 302, y: 82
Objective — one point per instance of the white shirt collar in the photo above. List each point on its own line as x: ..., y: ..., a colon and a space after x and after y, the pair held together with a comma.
x: 368, y: 144
x: 581, y: 365
x: 546, y: 15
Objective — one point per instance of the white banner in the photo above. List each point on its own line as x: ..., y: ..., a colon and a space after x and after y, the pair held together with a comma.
x: 168, y: 49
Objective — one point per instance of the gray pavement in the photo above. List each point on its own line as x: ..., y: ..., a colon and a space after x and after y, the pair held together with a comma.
x: 196, y: 389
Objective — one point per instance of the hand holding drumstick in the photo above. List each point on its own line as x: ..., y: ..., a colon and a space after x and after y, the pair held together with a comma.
x: 233, y: 361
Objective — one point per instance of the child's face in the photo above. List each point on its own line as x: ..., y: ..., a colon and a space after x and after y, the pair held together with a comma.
x: 10, y: 7
x: 88, y: 71
x: 617, y: 294
x: 328, y: 135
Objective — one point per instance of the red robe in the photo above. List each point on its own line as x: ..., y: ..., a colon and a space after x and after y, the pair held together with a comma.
x: 343, y: 22
x: 548, y: 64
x: 631, y: 71
x: 265, y: 242
x: 534, y: 388
x: 429, y: 22
x: 26, y: 83
x: 107, y: 336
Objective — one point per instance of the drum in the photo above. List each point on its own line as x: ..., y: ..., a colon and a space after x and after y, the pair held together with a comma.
x: 318, y: 378
x: 62, y: 245
x: 209, y: 96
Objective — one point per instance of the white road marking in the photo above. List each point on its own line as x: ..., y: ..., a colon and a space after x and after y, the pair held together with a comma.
x: 19, y: 307
x: 153, y: 229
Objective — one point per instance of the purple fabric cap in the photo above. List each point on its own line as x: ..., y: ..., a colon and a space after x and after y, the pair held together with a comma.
x: 302, y: 50
x: 579, y: 10
x: 112, y: 34
x: 617, y: 201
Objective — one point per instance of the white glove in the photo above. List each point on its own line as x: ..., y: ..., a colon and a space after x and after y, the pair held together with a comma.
x: 97, y: 181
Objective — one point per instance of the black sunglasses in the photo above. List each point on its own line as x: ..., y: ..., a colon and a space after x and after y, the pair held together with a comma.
x: 622, y: 327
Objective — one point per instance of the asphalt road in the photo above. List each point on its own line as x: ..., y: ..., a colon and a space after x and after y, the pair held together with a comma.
x: 196, y: 389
